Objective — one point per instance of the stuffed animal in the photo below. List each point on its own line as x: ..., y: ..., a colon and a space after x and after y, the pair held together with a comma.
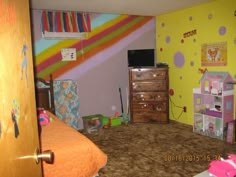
x: 43, y: 117
x: 223, y: 167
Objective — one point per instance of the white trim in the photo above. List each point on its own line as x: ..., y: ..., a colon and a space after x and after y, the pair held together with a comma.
x: 64, y: 35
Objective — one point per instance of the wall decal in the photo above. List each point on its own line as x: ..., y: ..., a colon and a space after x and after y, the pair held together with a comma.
x: 190, y: 33
x: 171, y: 92
x: 210, y: 16
x: 24, y: 63
x: 167, y: 39
x: 68, y: 54
x: 222, y: 30
x: 214, y: 54
x: 15, y: 115
x: 179, y: 60
x: 192, y: 63
x: 202, y: 71
x: 16, y: 129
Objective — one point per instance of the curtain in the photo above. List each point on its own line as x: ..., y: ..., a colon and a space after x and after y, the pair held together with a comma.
x: 59, y: 21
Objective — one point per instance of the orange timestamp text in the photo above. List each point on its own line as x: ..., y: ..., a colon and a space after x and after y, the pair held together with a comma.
x: 191, y: 157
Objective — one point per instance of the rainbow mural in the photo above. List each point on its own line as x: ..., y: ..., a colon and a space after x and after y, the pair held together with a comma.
x: 103, y: 35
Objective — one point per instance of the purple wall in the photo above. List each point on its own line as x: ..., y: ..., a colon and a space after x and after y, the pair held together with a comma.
x: 100, y: 77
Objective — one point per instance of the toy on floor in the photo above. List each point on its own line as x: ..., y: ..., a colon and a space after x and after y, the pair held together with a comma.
x: 43, y: 117
x: 94, y: 125
x: 108, y: 125
x: 113, y: 121
x: 223, y: 167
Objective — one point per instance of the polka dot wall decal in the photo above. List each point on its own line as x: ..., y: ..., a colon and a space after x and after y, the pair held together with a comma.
x: 181, y: 77
x: 182, y: 41
x: 190, y: 18
x: 161, y: 49
x: 210, y: 16
x: 163, y: 24
x: 222, y: 30
x: 191, y: 63
x: 194, y: 40
x: 234, y: 40
x: 167, y: 39
x: 179, y: 59
x: 171, y: 92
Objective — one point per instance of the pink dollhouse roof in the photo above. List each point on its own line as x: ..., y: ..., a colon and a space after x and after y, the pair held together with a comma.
x: 220, y: 77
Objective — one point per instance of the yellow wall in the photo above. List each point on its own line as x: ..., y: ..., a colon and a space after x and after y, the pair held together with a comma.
x: 213, y: 22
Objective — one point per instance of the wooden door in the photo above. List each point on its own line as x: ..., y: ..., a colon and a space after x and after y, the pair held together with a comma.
x: 18, y: 120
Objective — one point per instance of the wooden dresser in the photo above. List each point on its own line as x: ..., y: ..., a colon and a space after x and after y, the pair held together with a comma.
x: 149, y: 94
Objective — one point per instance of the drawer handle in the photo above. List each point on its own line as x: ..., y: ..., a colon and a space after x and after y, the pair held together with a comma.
x: 144, y: 106
x: 158, y: 97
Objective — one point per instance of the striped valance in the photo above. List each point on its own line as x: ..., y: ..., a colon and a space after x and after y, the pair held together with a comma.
x: 59, y: 21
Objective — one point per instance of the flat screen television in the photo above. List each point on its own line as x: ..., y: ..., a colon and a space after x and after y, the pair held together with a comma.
x: 141, y: 58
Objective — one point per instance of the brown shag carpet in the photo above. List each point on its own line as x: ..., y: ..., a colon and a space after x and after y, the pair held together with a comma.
x: 157, y: 150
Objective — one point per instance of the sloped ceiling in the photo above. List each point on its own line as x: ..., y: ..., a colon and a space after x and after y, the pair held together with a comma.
x: 131, y: 7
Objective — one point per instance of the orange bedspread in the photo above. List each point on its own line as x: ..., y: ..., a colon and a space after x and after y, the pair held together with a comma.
x: 75, y: 154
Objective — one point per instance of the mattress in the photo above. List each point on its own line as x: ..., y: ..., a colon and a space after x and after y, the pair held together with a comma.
x: 74, y: 154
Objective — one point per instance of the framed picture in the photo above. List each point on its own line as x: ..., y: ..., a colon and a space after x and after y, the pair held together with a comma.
x: 214, y: 54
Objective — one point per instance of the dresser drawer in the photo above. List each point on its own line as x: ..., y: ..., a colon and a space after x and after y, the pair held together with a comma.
x: 143, y: 107
x: 149, y: 86
x: 150, y: 107
x: 149, y: 96
x: 161, y: 117
x: 148, y: 74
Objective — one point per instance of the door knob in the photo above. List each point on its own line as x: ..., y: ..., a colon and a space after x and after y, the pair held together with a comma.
x: 47, y: 156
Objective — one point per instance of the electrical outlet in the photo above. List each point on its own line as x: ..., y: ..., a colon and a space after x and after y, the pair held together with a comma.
x: 113, y: 108
x: 185, y: 109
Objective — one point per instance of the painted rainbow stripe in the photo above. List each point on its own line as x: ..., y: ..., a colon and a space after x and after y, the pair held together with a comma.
x: 99, y: 39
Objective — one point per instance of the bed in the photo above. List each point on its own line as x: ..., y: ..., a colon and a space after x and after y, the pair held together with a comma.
x: 74, y: 154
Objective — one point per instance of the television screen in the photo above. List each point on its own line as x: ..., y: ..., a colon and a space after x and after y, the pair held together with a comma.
x: 141, y: 58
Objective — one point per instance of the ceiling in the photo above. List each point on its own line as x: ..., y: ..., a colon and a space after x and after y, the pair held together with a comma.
x: 130, y: 7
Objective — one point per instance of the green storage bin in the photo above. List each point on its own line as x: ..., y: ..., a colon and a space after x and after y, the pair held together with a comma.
x: 115, y: 121
x: 92, y: 122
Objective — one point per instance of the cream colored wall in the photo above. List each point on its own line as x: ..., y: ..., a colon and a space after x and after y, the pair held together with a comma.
x: 213, y: 22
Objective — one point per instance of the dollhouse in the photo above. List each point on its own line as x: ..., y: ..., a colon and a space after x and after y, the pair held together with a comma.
x: 213, y: 104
